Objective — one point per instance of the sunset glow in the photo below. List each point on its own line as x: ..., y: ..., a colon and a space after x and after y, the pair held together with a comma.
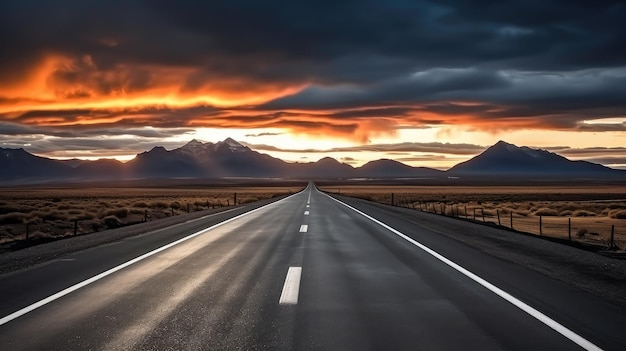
x: 290, y: 89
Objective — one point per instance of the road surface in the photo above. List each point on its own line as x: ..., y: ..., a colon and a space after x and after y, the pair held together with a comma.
x: 307, y: 272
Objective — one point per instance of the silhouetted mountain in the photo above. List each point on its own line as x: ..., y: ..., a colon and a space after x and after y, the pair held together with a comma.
x: 229, y: 158
x: 17, y: 164
x: 74, y: 162
x: 394, y: 169
x: 504, y: 159
x: 327, y: 167
x: 102, y: 169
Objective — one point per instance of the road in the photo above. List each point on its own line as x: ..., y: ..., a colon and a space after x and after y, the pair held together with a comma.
x: 307, y: 272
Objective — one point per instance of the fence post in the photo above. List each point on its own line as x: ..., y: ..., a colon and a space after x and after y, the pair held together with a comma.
x: 235, y: 199
x: 172, y: 208
x: 466, y: 215
x: 392, y: 200
x: 188, y: 207
x: 474, y: 214
x: 443, y: 209
x: 498, y: 213
x: 27, y: 230
x: 483, y: 213
x: 540, y: 226
x: 145, y: 216
x: 569, y: 228
x: 75, y: 226
x: 612, y: 235
x: 511, y: 215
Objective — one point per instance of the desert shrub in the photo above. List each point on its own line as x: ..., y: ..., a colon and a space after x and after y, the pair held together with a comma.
x: 617, y: 206
x: 158, y: 204
x: 505, y: 210
x: 581, y: 232
x: 56, y: 199
x: 135, y: 210
x: 583, y: 213
x: 248, y: 200
x: 10, y: 208
x: 118, y: 212
x: 13, y: 218
x: 48, y: 215
x: 619, y: 214
x: 83, y: 215
x: 565, y: 213
x: 63, y: 207
x: 111, y: 221
x: 93, y: 225
x: 40, y: 234
x: 139, y: 204
x: 544, y: 211
x: 175, y: 205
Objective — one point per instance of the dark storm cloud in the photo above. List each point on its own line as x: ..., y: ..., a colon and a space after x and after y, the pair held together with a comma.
x: 535, y: 64
x: 327, y: 41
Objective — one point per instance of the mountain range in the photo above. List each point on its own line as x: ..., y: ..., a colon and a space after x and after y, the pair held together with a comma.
x: 230, y: 158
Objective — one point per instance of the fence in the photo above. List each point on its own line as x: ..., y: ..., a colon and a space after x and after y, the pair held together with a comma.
x: 603, y: 232
x: 16, y: 226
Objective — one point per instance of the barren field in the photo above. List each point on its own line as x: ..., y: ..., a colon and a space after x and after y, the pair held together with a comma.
x: 59, y: 212
x: 587, y: 214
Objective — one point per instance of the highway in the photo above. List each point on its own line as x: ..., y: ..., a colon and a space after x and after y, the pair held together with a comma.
x: 308, y: 272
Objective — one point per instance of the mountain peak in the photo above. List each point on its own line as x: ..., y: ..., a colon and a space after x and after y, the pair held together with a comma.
x: 194, y: 142
x: 504, y: 158
x: 232, y: 144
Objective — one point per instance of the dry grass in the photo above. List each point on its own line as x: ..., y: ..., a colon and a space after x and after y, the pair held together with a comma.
x: 591, y: 210
x: 52, y: 212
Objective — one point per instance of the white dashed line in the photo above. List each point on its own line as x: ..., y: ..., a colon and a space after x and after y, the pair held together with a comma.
x: 289, y: 296
x: 304, y: 228
x: 306, y: 213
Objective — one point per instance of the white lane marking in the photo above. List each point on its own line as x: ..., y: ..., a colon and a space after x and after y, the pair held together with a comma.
x: 304, y: 228
x: 95, y: 278
x: 561, y: 329
x: 309, y: 200
x: 307, y: 206
x: 306, y: 213
x: 291, y: 288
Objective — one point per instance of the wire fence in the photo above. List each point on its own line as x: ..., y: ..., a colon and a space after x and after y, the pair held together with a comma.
x: 588, y: 229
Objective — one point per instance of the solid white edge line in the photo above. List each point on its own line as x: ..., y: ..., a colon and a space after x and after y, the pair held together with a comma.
x: 95, y: 278
x: 304, y: 228
x: 291, y: 288
x: 561, y: 329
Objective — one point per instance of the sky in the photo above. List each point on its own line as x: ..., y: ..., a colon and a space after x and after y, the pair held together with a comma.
x: 428, y: 83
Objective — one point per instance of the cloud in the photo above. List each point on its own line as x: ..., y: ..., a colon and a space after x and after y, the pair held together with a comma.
x: 344, y: 68
x: 443, y: 148
x: 262, y: 134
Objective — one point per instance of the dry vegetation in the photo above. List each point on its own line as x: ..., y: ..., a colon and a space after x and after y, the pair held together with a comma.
x: 592, y: 210
x: 54, y: 212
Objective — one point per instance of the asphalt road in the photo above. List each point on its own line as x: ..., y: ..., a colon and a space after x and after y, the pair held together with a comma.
x: 306, y: 272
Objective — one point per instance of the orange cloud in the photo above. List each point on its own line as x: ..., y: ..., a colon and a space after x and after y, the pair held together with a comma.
x: 60, y: 82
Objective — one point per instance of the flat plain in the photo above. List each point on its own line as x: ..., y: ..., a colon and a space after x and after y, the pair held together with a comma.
x: 53, y: 212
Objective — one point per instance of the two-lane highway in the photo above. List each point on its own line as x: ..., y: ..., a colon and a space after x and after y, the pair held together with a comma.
x: 306, y: 272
